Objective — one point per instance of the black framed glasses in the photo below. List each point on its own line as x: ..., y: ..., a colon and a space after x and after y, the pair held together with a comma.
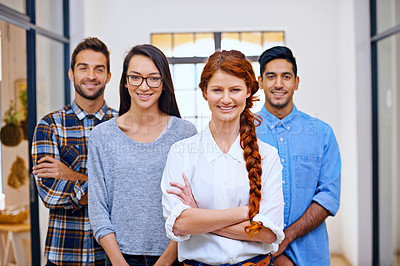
x: 136, y: 80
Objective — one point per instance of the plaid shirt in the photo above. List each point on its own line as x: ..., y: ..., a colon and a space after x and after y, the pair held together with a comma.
x: 64, y: 135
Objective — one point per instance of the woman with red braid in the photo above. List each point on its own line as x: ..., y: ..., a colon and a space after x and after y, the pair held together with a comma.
x: 236, y: 215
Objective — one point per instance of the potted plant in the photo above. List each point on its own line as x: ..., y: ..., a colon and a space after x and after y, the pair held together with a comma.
x: 11, y: 134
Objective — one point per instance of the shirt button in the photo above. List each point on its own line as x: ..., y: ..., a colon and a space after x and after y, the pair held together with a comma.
x: 281, y: 139
x: 284, y: 203
x: 288, y: 127
x: 283, y: 182
x: 272, y: 127
x: 283, y: 160
x: 284, y: 225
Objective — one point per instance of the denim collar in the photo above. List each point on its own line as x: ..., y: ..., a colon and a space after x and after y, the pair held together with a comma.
x: 272, y: 121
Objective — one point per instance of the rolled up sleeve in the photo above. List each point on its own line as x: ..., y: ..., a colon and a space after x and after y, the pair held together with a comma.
x: 54, y: 192
x: 171, y: 204
x: 271, y: 205
x: 328, y: 190
x: 98, y: 198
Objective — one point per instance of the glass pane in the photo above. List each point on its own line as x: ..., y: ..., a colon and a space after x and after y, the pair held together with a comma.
x: 17, y: 5
x: 230, y: 40
x: 184, y: 76
x: 183, y: 45
x: 273, y: 38
x: 50, y: 75
x: 14, y: 150
x: 260, y: 94
x: 204, y: 44
x: 251, y: 43
x: 389, y: 135
x: 186, y: 102
x: 202, y: 109
x: 50, y: 96
x: 49, y: 15
x: 388, y: 14
x: 199, y: 69
x: 163, y: 41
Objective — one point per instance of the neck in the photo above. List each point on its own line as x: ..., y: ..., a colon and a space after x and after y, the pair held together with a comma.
x: 224, y: 133
x: 89, y: 106
x: 143, y: 117
x: 280, y: 113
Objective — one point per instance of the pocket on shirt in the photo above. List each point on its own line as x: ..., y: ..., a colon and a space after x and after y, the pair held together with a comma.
x: 306, y: 170
x: 70, y: 155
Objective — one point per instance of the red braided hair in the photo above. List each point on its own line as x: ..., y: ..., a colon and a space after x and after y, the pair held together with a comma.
x: 235, y: 63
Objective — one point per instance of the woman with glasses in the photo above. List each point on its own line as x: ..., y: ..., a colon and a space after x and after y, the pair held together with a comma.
x: 126, y: 160
x: 236, y: 216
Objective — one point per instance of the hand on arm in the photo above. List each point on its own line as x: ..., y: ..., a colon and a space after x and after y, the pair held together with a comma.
x: 234, y: 231
x: 169, y: 255
x: 49, y: 167
x: 110, y: 246
x: 184, y: 192
x: 313, y: 217
x: 199, y: 221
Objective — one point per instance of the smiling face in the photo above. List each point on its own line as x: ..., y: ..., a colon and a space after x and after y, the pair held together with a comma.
x: 226, y: 96
x: 279, y: 83
x: 90, y: 74
x: 143, y: 96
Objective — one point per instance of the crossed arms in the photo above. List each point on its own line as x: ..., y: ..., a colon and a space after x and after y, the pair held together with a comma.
x: 228, y: 223
x: 59, y: 186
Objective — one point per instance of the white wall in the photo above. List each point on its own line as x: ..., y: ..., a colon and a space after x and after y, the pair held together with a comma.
x: 326, y: 40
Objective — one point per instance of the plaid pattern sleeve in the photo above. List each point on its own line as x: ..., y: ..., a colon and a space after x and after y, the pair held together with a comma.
x: 64, y: 135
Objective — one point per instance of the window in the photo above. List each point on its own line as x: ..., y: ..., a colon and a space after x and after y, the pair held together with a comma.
x: 385, y: 43
x: 188, y: 52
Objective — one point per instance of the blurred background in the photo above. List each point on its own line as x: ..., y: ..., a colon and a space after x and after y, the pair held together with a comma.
x: 348, y: 57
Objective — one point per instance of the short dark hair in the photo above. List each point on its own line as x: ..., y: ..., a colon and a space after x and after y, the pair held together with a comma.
x: 91, y: 43
x: 167, y: 101
x: 277, y: 52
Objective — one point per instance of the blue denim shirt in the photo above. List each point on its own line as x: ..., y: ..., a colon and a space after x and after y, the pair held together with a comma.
x: 311, y: 172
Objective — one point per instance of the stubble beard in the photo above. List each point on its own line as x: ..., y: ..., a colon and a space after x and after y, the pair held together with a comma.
x: 278, y: 105
x: 96, y: 95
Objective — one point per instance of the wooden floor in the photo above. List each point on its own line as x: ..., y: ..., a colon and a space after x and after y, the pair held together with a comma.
x: 339, y: 260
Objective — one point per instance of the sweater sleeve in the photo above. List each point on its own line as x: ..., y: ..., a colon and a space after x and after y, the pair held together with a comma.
x: 99, y: 209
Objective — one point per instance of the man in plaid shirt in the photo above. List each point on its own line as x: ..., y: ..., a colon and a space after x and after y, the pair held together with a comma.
x: 59, y: 154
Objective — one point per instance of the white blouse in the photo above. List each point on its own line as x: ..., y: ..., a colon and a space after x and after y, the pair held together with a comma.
x: 220, y: 181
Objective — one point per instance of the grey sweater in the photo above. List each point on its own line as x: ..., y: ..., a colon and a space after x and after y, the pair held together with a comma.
x: 124, y: 186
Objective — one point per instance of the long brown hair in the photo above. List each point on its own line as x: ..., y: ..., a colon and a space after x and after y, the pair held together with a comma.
x: 167, y: 101
x: 235, y: 63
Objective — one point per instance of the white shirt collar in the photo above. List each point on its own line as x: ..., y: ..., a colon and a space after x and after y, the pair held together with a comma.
x: 212, y: 151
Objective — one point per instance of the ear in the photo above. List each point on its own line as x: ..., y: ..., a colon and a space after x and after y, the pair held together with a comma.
x: 71, y: 75
x: 205, y: 94
x: 297, y: 83
x: 108, y: 77
x: 260, y: 82
x: 248, y: 93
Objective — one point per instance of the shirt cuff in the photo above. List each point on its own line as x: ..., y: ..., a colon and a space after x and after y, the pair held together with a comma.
x: 102, y: 233
x: 80, y: 189
x: 267, y: 223
x: 328, y: 202
x: 170, y: 222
